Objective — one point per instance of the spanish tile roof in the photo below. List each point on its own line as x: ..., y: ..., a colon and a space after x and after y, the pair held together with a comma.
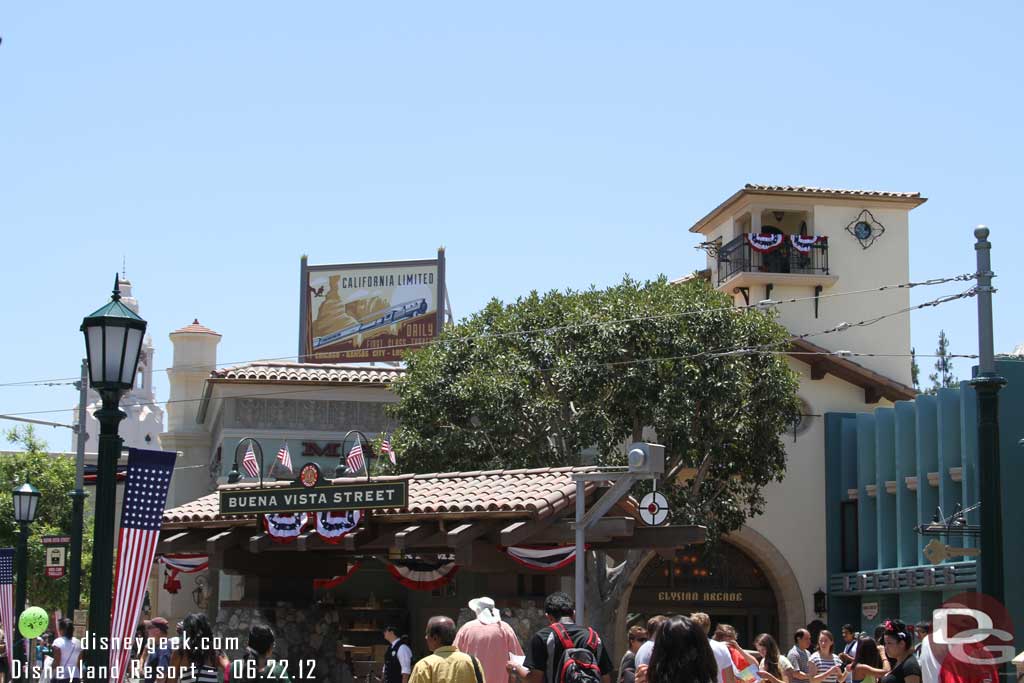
x: 803, y: 189
x: 270, y: 371
x: 536, y: 493
x: 906, y: 198
x: 195, y: 328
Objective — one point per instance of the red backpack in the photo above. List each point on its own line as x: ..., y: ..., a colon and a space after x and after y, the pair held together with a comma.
x: 579, y: 661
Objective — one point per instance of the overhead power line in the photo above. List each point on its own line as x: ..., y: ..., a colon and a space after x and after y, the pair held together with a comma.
x: 718, y: 353
x: 761, y: 305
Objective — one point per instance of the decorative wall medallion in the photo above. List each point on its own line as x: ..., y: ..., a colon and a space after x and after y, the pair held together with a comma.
x: 865, y: 229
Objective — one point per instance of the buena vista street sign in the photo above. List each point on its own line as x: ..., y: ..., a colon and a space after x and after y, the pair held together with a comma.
x: 326, y: 497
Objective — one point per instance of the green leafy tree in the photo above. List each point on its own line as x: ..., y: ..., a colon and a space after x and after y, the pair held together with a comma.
x: 540, y: 381
x: 915, y: 370
x: 943, y: 375
x: 54, y: 476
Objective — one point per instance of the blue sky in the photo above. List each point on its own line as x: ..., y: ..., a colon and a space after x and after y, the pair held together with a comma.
x: 546, y: 145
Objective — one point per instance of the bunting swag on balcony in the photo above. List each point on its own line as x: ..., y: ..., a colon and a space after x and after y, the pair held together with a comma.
x: 804, y: 243
x: 334, y: 582
x: 423, y: 575
x: 285, y: 528
x: 181, y: 563
x: 542, y: 559
x: 332, y: 526
x: 765, y: 242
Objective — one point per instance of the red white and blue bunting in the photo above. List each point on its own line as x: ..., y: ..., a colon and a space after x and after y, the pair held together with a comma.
x: 764, y: 242
x: 285, y: 528
x: 804, y: 243
x: 542, y: 559
x: 423, y: 575
x: 181, y: 563
x: 334, y: 582
x: 332, y: 526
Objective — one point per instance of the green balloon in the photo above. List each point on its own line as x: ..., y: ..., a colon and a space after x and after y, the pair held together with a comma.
x: 33, y: 622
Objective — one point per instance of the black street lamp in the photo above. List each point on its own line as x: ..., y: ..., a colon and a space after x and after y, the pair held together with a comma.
x: 342, y: 469
x: 234, y: 476
x: 113, y: 340
x: 26, y: 501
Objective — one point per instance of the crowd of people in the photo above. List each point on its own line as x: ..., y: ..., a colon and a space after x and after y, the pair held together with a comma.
x: 667, y: 649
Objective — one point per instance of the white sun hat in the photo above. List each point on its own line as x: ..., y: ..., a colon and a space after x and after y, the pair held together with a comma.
x: 486, y: 612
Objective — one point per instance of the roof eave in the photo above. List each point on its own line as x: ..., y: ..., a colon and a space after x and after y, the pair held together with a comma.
x: 718, y: 211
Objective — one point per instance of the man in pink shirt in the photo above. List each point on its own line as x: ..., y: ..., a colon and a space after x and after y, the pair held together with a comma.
x: 489, y: 639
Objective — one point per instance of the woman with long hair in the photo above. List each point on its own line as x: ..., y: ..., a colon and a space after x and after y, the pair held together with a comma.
x: 199, y: 662
x: 868, y: 666
x: 825, y: 666
x: 775, y: 666
x: 682, y: 654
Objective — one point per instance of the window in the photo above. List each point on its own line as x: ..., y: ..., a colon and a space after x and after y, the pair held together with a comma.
x: 848, y: 536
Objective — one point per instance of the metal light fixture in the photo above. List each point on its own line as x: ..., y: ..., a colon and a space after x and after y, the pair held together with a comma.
x: 343, y: 469
x: 820, y: 602
x: 26, y: 502
x: 113, y: 341
x: 234, y: 476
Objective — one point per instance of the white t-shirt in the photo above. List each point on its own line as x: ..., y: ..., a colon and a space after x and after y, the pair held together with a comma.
x: 930, y: 665
x: 722, y: 657
x: 70, y: 652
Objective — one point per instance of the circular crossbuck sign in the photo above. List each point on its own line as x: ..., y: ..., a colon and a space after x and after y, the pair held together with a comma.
x: 654, y: 509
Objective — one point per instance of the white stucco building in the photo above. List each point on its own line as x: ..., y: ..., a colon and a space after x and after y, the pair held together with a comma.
x: 830, y: 249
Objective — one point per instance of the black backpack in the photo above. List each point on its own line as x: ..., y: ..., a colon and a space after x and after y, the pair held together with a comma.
x: 579, y: 661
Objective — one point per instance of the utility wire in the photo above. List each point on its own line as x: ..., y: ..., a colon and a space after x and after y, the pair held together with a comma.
x: 762, y: 305
x: 746, y: 350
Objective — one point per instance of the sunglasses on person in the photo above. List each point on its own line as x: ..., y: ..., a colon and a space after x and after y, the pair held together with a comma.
x: 639, y: 640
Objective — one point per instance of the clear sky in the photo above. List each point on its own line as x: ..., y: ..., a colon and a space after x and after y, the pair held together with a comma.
x: 546, y: 145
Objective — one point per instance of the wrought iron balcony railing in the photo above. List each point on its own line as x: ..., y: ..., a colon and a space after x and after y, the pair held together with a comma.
x: 773, y: 254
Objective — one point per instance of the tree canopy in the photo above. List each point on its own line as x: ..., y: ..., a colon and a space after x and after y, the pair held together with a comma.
x: 54, y: 476
x: 542, y: 380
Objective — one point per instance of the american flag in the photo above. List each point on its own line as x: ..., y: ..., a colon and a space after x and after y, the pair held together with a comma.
x: 249, y: 462
x: 355, y: 460
x: 7, y: 600
x: 145, y: 496
x: 386, y: 448
x: 284, y: 457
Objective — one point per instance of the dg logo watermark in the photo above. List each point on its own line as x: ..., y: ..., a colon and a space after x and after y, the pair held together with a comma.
x: 972, y: 630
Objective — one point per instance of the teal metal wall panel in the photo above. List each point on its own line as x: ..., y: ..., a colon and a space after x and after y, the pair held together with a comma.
x: 950, y: 492
x: 906, y: 466
x: 885, y: 470
x: 927, y: 461
x: 834, y: 491
x: 888, y: 607
x: 969, y: 449
x: 867, y: 506
x: 918, y: 606
x: 1011, y: 454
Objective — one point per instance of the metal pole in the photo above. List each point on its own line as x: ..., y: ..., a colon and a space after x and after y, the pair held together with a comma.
x: 78, y: 496
x: 987, y: 385
x: 19, y: 599
x: 581, y: 559
x: 100, y: 597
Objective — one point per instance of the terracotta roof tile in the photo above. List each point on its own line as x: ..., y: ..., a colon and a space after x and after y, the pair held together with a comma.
x: 268, y: 371
x: 196, y: 328
x: 535, y: 493
x: 803, y: 189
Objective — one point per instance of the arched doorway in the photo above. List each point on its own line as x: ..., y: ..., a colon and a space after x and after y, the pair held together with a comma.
x: 729, y: 586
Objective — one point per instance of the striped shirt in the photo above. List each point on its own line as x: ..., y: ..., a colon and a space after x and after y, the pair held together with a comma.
x: 799, y: 658
x: 820, y: 664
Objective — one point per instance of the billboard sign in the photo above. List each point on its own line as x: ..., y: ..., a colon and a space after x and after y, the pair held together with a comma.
x: 365, y: 312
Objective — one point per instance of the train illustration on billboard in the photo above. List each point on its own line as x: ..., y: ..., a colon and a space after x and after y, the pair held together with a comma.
x: 391, y: 316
